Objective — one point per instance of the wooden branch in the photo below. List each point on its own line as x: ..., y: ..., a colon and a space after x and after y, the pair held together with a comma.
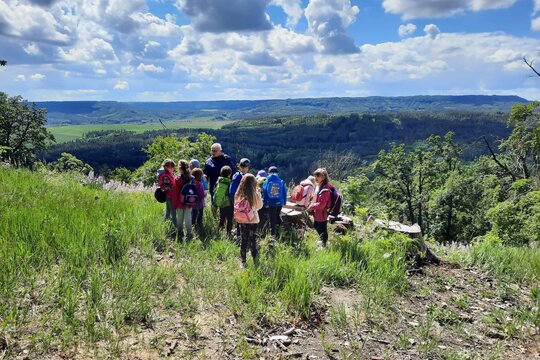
x: 501, y: 165
x: 530, y: 65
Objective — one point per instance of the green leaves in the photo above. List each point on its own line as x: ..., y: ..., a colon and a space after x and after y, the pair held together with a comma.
x: 22, y: 131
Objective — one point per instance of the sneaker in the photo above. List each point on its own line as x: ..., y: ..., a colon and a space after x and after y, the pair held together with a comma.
x: 244, y: 264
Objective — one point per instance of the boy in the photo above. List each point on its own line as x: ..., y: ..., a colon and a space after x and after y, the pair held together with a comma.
x: 274, y: 197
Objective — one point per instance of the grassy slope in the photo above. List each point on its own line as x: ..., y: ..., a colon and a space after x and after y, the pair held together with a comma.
x: 90, y: 273
x: 73, y: 132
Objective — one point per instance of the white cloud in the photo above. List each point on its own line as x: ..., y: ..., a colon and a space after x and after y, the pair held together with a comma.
x: 90, y: 51
x: 37, y: 77
x: 20, y: 78
x: 289, y: 42
x: 34, y: 23
x: 414, y: 9
x: 432, y: 30
x: 31, y: 49
x: 329, y: 20
x: 406, y: 30
x: 293, y: 9
x: 150, y: 68
x: 121, y: 85
x: 535, y: 24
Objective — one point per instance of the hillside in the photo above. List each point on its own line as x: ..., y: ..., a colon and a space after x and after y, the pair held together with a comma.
x: 90, y: 273
x: 294, y: 143
x: 111, y: 112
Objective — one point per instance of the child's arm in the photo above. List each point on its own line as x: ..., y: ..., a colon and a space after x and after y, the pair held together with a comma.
x: 322, y: 200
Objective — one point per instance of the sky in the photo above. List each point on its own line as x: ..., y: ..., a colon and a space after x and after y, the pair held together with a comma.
x: 177, y: 50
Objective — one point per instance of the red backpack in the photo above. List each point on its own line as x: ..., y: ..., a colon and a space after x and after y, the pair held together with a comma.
x: 298, y: 193
x: 243, y: 212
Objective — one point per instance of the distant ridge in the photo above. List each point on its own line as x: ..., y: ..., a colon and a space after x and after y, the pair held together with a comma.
x: 113, y: 112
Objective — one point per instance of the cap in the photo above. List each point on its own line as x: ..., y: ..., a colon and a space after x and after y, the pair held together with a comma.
x: 262, y: 174
x: 195, y: 163
x: 273, y: 170
x: 245, y: 162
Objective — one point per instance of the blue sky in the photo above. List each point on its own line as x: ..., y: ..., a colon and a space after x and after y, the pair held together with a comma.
x: 174, y: 50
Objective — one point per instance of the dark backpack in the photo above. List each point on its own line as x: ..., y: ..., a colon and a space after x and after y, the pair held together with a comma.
x: 336, y: 201
x: 160, y: 195
x: 189, y: 194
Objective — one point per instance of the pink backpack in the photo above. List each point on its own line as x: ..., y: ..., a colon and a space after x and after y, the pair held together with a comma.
x: 243, y: 212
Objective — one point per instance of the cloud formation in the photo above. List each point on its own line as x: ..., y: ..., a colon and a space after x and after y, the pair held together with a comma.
x: 223, y: 16
x: 406, y: 30
x: 432, y: 30
x: 328, y: 20
x: 415, y: 9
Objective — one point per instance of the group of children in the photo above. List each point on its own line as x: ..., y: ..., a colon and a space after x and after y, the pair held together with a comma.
x: 254, y: 202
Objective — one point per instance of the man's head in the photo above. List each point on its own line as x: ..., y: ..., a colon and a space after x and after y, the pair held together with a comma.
x: 216, y: 150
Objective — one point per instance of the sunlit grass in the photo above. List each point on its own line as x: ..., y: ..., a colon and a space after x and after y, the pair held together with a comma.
x: 73, y: 132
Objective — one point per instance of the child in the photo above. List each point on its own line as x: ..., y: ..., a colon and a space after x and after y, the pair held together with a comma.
x: 166, y: 182
x: 222, y: 199
x: 183, y: 211
x: 264, y: 220
x: 274, y: 197
x: 248, y: 193
x: 305, y: 195
x: 193, y: 164
x: 322, y: 203
x: 243, y: 168
x: 198, y: 209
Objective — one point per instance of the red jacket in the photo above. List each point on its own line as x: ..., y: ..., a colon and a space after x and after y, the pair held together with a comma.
x: 167, y: 183
x: 322, y: 203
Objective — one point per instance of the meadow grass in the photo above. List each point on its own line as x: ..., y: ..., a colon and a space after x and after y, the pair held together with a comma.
x: 74, y: 132
x: 517, y: 264
x: 84, y: 266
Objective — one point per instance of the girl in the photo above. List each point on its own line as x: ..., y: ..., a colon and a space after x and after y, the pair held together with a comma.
x: 323, y: 201
x: 197, y: 212
x: 248, y: 192
x: 222, y: 199
x: 166, y: 182
x: 183, y: 212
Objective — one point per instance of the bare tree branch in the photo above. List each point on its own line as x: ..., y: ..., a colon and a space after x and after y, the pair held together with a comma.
x: 530, y: 64
x: 501, y: 165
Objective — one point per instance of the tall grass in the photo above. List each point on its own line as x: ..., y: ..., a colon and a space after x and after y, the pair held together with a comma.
x: 518, y: 264
x: 66, y: 245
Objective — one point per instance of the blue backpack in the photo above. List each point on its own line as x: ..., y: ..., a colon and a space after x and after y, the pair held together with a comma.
x: 189, y: 194
x: 274, y: 191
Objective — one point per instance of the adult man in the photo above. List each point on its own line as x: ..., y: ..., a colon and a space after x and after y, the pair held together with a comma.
x: 213, y: 165
x: 274, y: 197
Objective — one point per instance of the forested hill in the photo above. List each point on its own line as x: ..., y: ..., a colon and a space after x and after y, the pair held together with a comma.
x: 294, y: 143
x: 111, y: 112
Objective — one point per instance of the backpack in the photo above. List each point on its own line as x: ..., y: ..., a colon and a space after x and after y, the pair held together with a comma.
x: 274, y: 191
x: 158, y: 174
x: 221, y: 195
x: 189, y: 194
x: 160, y: 195
x: 243, y: 212
x: 300, y: 192
x: 336, y: 202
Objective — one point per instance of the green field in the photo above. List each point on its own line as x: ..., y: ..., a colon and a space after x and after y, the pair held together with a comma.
x: 74, y: 132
